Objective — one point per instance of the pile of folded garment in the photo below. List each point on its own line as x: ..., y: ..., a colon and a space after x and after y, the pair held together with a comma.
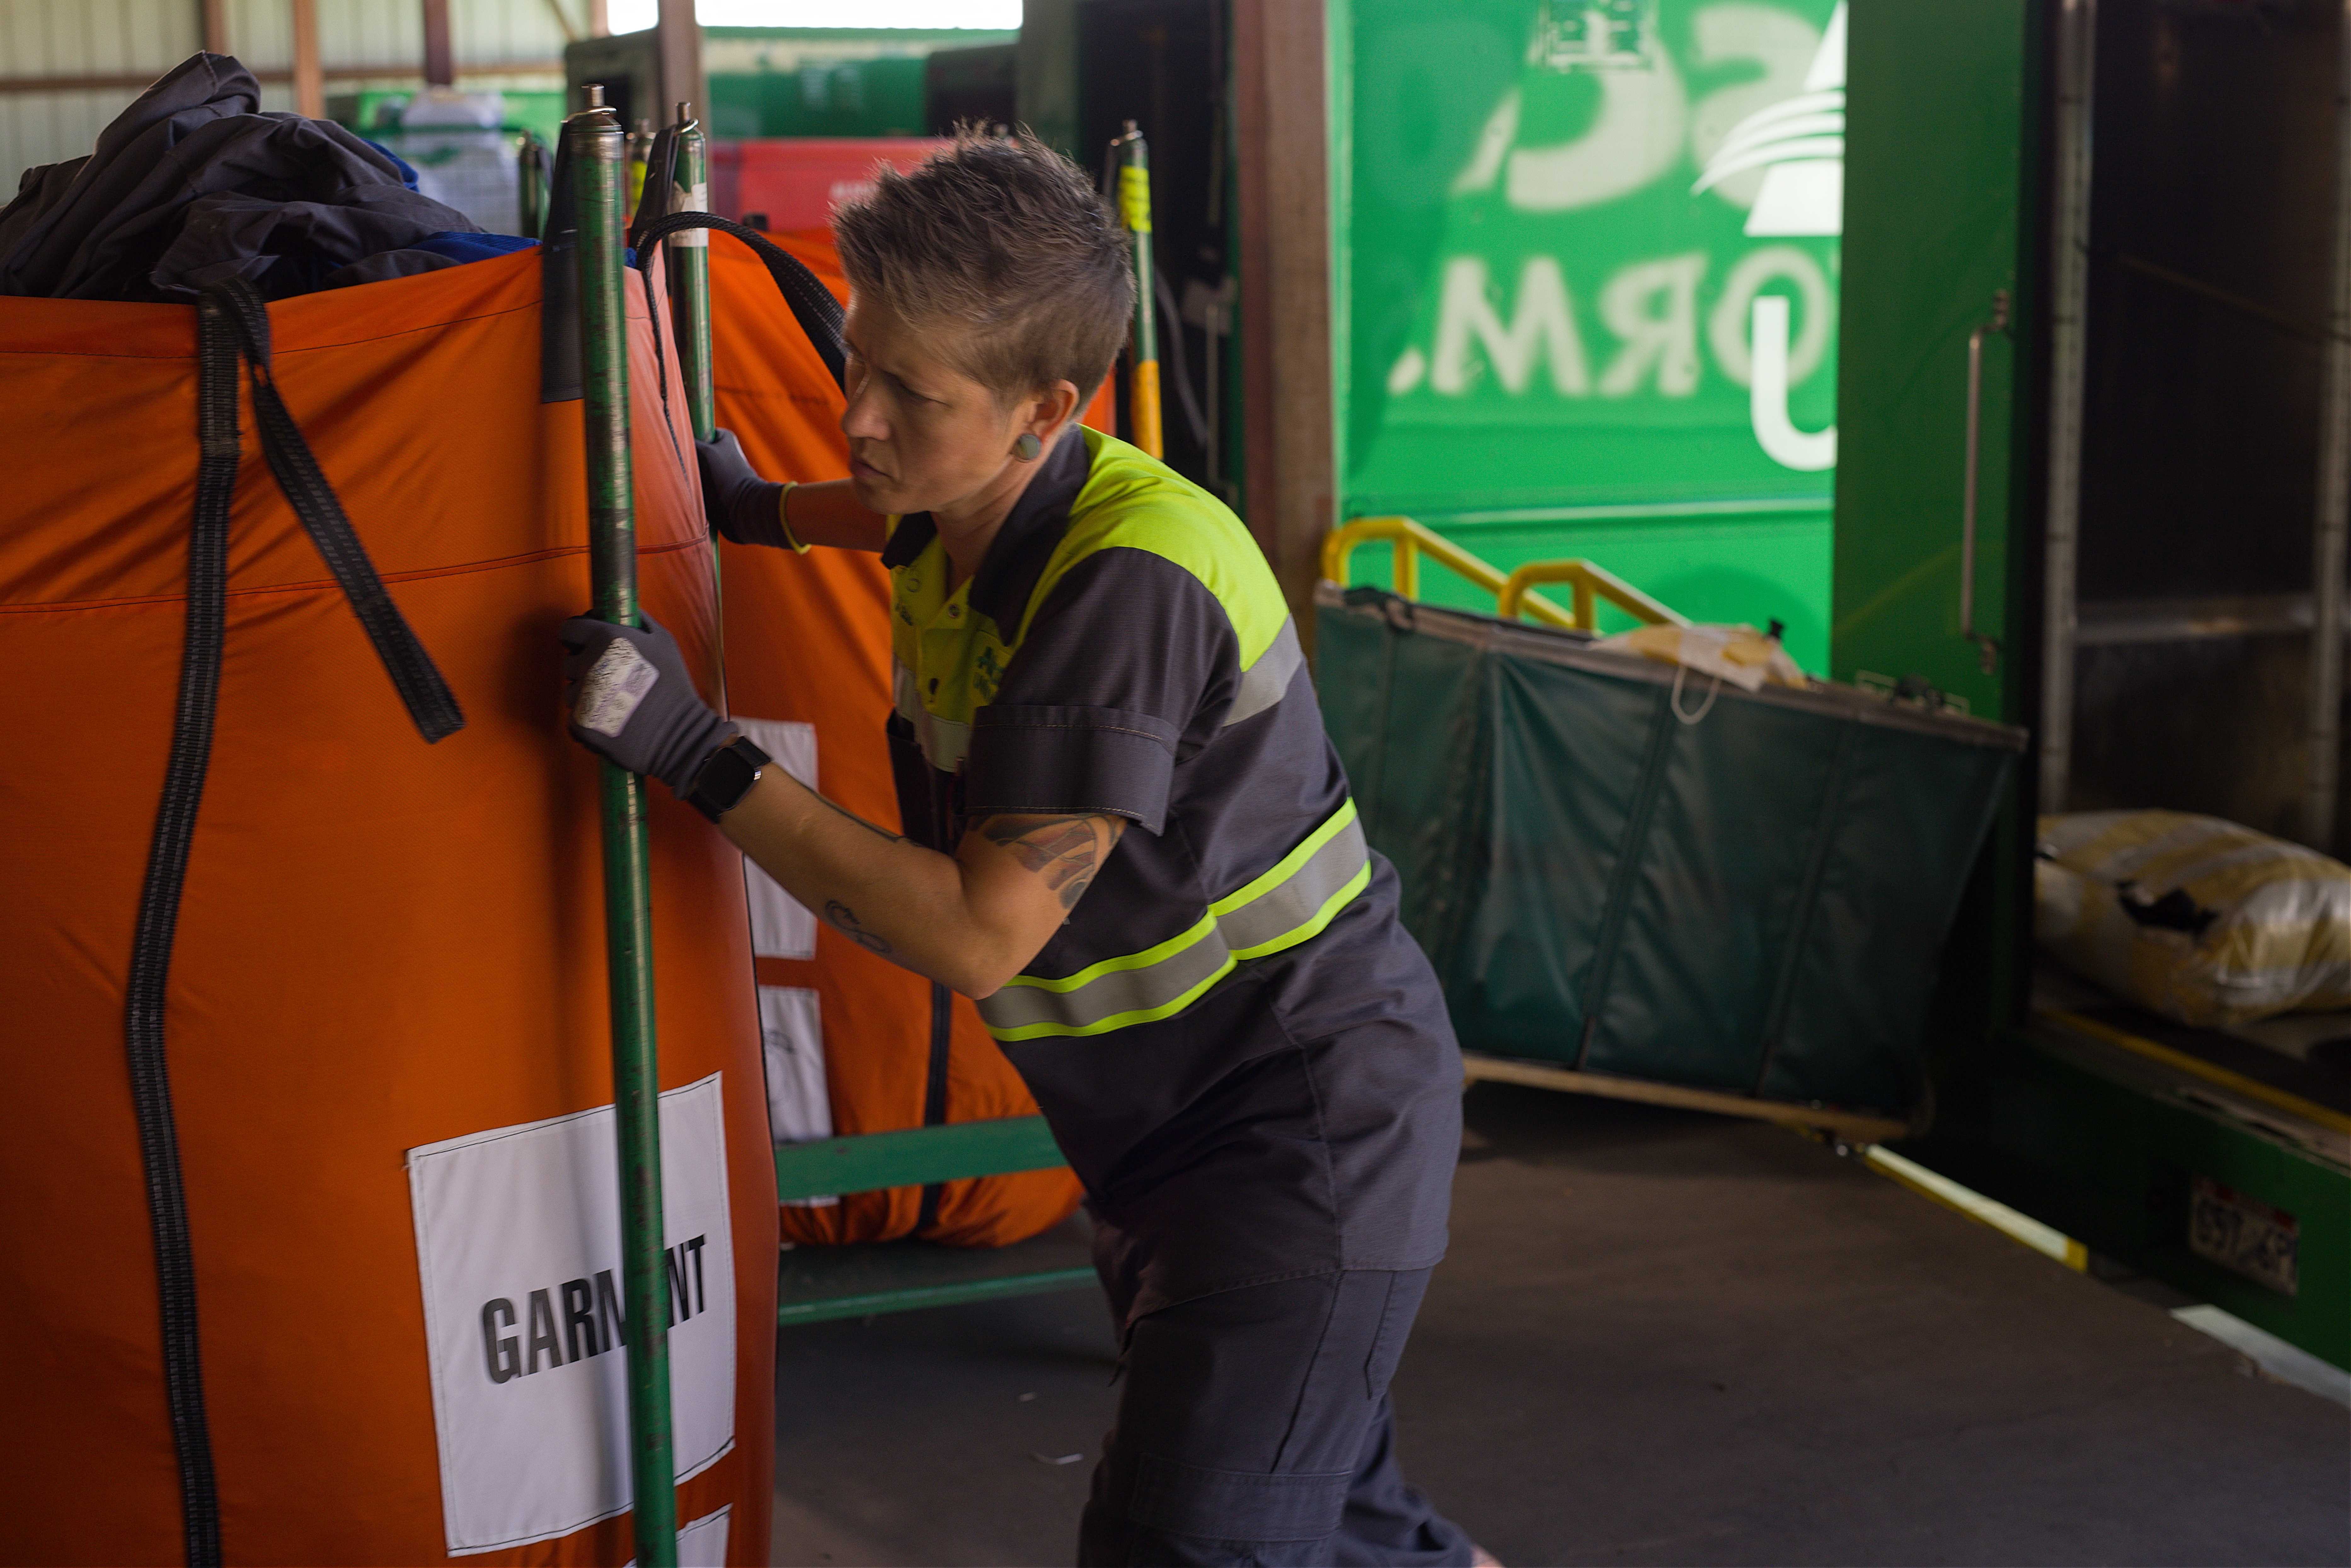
x: 193, y: 186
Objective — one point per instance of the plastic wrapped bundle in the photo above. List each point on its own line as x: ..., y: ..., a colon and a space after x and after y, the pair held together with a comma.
x: 2195, y: 919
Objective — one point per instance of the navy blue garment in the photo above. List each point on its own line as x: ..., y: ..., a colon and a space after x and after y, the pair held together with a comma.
x: 428, y: 254
x: 1304, y: 1113
x: 193, y: 186
x: 407, y: 170
x: 1254, y: 1430
x: 1304, y: 1116
x: 461, y: 247
x: 1267, y: 1135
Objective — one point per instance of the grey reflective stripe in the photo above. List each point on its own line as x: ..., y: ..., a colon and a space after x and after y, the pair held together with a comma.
x: 1284, y: 907
x: 1309, y: 886
x: 944, y: 741
x: 1263, y: 683
x: 1110, y: 996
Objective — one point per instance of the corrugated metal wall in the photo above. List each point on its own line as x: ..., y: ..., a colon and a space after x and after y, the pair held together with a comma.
x: 80, y: 37
x: 52, y: 38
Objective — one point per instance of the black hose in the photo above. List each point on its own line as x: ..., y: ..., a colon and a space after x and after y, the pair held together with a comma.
x: 813, y: 306
x: 1182, y: 366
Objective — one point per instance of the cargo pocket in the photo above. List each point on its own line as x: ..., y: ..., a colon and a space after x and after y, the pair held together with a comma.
x: 1237, y: 1505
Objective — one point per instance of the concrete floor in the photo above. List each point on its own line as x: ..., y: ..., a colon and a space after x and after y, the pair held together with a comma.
x: 1660, y: 1338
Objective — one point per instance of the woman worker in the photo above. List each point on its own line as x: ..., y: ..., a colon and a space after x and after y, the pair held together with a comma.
x: 1127, y: 835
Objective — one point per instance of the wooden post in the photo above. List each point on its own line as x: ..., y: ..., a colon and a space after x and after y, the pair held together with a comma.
x: 440, y: 57
x: 2322, y: 827
x: 214, y: 14
x: 677, y: 52
x: 1280, y: 98
x: 309, y: 79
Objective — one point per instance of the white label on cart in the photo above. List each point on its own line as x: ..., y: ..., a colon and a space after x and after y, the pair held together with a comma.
x: 697, y: 200
x: 519, y: 1244
x: 703, y: 1543
x: 791, y: 1033
x: 781, y: 927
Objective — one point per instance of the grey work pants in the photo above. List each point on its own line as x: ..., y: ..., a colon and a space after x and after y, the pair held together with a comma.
x: 1254, y: 1430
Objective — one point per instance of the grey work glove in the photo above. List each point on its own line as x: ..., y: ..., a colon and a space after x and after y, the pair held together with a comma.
x: 633, y: 703
x: 743, y: 507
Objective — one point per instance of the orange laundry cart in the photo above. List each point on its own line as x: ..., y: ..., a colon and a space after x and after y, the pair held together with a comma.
x: 384, y: 1022
x: 854, y: 1043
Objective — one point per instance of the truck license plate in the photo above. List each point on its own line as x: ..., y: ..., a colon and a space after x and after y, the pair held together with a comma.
x: 2244, y: 1235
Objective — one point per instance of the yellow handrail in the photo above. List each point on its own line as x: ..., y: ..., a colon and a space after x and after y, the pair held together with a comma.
x: 1513, y: 593
x: 1411, y: 541
x: 1591, y: 582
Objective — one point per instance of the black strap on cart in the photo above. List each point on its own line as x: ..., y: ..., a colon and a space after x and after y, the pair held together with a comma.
x: 231, y: 320
x: 812, y: 304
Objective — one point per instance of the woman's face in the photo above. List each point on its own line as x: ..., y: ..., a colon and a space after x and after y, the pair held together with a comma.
x: 924, y: 436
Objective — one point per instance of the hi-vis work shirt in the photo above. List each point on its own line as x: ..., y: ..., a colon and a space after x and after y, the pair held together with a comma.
x: 1243, y: 1054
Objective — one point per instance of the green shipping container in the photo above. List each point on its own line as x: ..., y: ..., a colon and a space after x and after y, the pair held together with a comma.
x: 827, y: 81
x: 1570, y: 233
x: 1622, y: 868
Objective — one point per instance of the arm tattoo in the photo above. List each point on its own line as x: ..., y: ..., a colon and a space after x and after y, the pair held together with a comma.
x: 841, y: 916
x: 1065, y: 849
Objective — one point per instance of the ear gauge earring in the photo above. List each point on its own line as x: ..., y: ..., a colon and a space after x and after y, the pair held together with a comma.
x: 1027, y: 446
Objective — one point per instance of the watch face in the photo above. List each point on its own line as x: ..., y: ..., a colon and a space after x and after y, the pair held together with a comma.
x: 728, y: 777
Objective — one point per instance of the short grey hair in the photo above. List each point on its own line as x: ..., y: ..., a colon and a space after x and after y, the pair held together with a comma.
x: 1007, y: 239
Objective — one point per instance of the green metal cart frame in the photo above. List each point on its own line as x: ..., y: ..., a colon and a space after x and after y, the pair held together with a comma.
x: 818, y: 1283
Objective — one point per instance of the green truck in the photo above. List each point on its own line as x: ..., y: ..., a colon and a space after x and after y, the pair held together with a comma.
x: 1588, y: 273
x: 2080, y: 279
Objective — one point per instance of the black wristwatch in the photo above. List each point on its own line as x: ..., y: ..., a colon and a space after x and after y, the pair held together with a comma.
x: 726, y: 776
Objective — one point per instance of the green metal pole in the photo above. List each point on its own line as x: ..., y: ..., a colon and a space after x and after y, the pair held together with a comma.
x: 688, y: 253
x: 596, y: 150
x: 689, y: 274
x: 532, y: 175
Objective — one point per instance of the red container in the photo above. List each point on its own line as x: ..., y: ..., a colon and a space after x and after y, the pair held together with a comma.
x: 797, y: 181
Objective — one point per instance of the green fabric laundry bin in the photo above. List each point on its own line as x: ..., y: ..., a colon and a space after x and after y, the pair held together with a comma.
x: 1626, y: 874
